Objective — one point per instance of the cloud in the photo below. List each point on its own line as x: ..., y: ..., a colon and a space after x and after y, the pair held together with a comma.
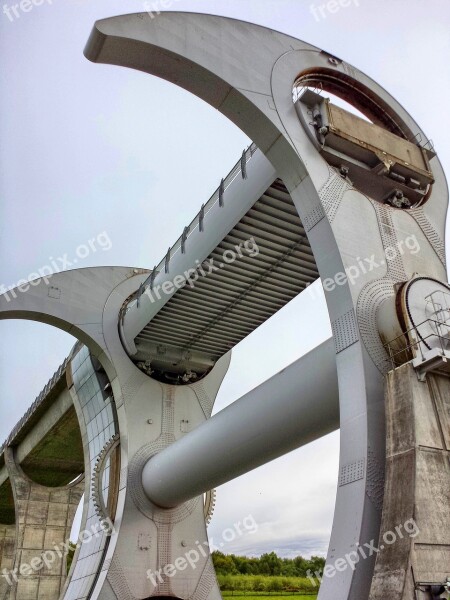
x: 291, y: 499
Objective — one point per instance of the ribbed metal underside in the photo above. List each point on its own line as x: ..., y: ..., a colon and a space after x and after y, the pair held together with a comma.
x: 228, y: 304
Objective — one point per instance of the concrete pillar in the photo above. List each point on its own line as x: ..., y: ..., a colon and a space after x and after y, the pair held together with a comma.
x: 417, y: 488
x: 7, y: 553
x: 44, y: 518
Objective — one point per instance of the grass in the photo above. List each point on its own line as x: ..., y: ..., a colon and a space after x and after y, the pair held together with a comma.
x: 274, y: 596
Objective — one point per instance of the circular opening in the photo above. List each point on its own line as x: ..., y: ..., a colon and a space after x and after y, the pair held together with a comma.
x: 389, y: 170
x: 333, y: 98
x: 356, y: 96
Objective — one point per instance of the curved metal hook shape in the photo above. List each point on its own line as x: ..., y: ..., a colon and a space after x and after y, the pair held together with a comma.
x: 247, y: 72
x: 73, y: 301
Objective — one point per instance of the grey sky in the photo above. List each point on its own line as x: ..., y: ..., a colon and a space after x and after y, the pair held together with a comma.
x: 87, y: 149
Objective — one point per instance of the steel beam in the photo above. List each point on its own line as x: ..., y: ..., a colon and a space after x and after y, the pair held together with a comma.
x: 216, y: 222
x: 296, y: 406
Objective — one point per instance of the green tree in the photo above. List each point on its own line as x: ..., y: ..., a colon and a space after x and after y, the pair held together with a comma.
x: 223, y: 563
x: 316, y: 564
x: 301, y: 565
x: 270, y: 564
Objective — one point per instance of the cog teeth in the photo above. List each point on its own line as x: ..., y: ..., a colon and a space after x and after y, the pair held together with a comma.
x: 210, y: 505
x: 96, y: 487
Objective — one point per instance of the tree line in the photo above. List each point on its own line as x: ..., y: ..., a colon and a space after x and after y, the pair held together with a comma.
x: 268, y: 564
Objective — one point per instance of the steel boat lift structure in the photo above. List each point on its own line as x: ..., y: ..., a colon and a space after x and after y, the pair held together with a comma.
x: 320, y: 192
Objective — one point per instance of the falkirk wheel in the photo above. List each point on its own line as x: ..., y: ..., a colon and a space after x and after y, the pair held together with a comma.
x: 322, y: 193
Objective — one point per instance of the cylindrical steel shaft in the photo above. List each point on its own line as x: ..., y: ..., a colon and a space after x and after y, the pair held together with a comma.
x: 296, y: 406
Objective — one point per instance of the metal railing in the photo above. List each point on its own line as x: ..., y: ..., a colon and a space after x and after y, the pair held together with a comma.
x: 238, y: 170
x: 398, y: 357
x: 41, y: 398
x: 59, y: 373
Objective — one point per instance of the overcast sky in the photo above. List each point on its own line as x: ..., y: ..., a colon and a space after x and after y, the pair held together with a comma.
x: 87, y: 149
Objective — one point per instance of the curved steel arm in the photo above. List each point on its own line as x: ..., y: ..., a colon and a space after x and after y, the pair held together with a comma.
x: 247, y: 72
x: 72, y: 301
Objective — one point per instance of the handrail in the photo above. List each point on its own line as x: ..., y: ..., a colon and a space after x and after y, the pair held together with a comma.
x: 216, y: 197
x: 393, y: 354
x: 54, y: 379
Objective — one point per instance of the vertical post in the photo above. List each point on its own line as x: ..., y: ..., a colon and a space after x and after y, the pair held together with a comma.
x: 44, y: 518
x: 414, y: 546
x: 7, y: 553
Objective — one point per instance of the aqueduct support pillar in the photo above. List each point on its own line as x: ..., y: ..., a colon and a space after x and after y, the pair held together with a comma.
x: 44, y: 518
x: 417, y: 486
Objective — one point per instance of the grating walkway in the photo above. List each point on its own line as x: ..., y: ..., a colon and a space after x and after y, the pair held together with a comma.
x: 229, y: 303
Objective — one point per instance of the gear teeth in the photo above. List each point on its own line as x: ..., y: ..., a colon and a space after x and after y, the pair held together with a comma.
x: 210, y: 503
x: 96, y: 484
